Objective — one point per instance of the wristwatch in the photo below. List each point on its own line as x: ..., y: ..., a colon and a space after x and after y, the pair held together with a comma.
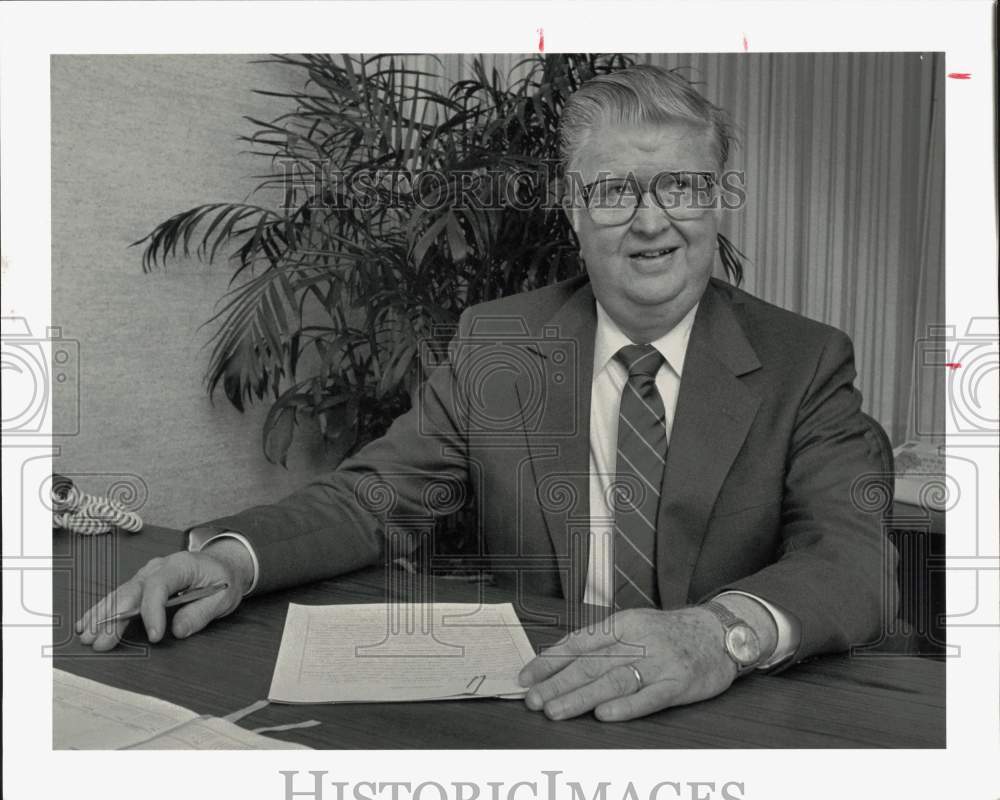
x: 739, y: 639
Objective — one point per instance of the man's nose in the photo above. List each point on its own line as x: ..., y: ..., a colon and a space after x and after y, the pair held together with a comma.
x: 650, y: 218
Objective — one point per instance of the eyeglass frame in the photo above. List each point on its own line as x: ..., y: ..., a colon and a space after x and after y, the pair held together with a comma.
x: 643, y: 191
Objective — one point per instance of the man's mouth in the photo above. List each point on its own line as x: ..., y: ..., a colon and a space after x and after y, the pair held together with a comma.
x: 653, y: 254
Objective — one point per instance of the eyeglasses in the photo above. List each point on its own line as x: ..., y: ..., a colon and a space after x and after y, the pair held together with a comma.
x: 683, y: 195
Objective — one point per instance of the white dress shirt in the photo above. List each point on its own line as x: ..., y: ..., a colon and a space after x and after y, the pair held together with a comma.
x: 606, y: 389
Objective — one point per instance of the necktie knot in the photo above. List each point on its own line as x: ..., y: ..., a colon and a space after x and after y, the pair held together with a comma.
x: 641, y: 360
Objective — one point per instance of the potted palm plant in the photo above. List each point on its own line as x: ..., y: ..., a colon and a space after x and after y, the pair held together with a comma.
x: 388, y: 224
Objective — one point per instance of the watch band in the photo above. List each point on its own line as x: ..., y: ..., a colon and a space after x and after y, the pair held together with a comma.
x: 726, y: 617
x: 729, y: 620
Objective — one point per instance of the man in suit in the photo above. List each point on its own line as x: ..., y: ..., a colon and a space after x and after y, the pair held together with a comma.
x: 646, y: 438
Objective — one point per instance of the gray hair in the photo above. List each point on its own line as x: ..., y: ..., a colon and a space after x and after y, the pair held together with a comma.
x: 640, y: 94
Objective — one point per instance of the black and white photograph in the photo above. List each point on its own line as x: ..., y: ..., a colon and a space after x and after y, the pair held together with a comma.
x: 505, y: 402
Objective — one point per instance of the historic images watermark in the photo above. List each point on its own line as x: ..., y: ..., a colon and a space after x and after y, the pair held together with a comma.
x: 543, y: 185
x: 547, y: 785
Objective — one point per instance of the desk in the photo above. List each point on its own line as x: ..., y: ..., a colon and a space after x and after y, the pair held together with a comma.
x: 839, y: 701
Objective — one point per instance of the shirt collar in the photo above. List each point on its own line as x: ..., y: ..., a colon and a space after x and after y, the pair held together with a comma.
x: 609, y: 339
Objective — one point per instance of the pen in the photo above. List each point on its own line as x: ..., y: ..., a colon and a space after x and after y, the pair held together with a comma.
x: 188, y: 596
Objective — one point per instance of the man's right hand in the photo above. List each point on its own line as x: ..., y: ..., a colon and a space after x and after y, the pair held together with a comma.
x: 147, y: 591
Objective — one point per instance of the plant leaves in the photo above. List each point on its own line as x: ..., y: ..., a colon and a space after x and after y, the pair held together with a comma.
x: 278, y: 429
x: 427, y: 239
x: 456, y: 238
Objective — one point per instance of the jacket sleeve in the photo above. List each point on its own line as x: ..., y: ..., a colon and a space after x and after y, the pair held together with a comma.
x: 836, y: 569
x: 380, y: 500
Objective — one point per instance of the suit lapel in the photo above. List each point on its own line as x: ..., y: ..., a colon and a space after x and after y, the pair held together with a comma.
x: 714, y: 413
x: 559, y: 444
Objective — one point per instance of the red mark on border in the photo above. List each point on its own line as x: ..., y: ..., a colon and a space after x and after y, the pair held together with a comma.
x: 952, y: 364
x: 960, y: 76
x: 541, y: 40
x: 746, y: 44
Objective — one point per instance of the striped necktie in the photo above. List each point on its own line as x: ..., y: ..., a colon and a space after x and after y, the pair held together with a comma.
x: 642, y: 450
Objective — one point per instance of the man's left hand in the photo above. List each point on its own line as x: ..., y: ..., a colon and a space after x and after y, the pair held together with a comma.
x: 678, y: 654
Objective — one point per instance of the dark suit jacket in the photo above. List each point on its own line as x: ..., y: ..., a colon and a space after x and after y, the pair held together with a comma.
x: 768, y: 442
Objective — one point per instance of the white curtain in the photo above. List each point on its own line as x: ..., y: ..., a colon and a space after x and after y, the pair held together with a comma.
x: 844, y: 220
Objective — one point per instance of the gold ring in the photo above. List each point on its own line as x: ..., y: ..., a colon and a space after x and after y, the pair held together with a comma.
x: 638, y: 677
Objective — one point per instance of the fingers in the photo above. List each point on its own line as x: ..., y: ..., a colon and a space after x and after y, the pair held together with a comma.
x: 568, y: 649
x: 584, y: 684
x: 173, y: 575
x: 192, y: 617
x: 147, y: 592
x: 647, y: 700
x: 123, y: 600
x: 541, y: 667
x: 577, y: 672
x: 97, y: 628
x: 111, y: 604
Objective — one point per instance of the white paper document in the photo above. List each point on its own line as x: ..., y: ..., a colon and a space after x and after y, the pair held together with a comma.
x: 396, y: 652
x: 88, y: 715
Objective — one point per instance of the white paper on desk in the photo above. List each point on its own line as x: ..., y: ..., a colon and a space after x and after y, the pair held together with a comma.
x: 377, y: 652
x: 88, y: 715
x: 212, y: 733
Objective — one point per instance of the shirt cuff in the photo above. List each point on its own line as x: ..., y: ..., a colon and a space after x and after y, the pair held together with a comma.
x: 788, y: 630
x: 200, y: 538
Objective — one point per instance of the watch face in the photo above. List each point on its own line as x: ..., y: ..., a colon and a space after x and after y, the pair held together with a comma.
x: 743, y: 645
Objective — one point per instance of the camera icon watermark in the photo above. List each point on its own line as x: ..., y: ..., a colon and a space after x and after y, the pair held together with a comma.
x: 971, y: 366
x: 504, y: 378
x: 34, y: 368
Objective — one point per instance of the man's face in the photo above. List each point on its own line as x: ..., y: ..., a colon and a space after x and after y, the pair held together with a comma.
x: 649, y: 272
